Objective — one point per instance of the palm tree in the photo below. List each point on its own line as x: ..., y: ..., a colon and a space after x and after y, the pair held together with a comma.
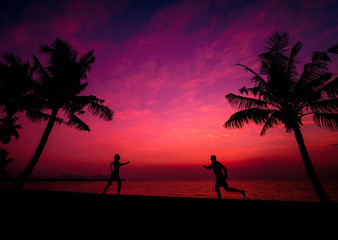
x: 61, y: 82
x: 16, y: 88
x: 284, y: 97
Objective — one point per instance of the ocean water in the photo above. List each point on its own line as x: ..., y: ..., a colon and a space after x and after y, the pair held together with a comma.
x: 255, y: 189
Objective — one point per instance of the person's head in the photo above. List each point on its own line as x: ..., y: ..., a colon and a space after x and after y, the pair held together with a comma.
x: 213, y: 158
x: 116, y: 157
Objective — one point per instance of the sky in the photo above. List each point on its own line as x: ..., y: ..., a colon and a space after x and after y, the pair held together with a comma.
x: 164, y: 67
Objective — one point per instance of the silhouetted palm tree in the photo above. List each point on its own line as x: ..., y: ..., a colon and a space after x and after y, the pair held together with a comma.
x: 16, y: 88
x: 61, y: 83
x: 285, y: 97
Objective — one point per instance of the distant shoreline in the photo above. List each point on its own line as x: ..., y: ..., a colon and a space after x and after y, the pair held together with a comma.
x: 107, y: 179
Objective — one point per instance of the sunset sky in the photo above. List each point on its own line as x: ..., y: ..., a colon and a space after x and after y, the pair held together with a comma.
x: 164, y: 67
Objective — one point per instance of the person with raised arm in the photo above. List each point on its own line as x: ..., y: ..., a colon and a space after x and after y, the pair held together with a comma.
x: 115, y: 175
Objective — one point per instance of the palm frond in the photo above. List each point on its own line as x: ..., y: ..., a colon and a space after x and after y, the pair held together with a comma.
x: 258, y: 80
x: 79, y: 88
x: 241, y: 103
x: 46, y: 49
x: 40, y: 73
x: 79, y: 101
x: 98, y: 109
x: 329, y: 90
x: 254, y: 90
x: 325, y: 106
x: 3, y: 158
x: 320, y: 57
x: 277, y: 42
x: 315, y: 90
x: 74, y: 121
x: 38, y: 116
x: 239, y: 119
x: 291, y: 70
x: 85, y: 63
x: 62, y: 59
x: 326, y: 120
x: 8, y: 128
x: 95, y: 106
x: 271, y: 122
x: 315, y: 74
x: 333, y: 49
x: 320, y: 81
x: 319, y: 64
x: 13, y: 60
x: 275, y: 54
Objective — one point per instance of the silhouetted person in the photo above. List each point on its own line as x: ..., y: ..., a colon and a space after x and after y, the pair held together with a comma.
x: 115, y: 175
x: 221, y: 177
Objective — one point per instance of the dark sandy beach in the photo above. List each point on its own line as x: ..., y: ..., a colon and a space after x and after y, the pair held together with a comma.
x: 51, y: 212
x: 66, y: 202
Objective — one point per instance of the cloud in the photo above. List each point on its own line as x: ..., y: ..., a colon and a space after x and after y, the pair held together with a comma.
x: 131, y: 114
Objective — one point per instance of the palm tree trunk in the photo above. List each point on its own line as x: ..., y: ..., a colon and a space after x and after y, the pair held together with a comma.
x: 24, y: 176
x: 309, y: 168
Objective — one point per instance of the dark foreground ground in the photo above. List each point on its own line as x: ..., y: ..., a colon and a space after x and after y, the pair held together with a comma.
x: 41, y: 209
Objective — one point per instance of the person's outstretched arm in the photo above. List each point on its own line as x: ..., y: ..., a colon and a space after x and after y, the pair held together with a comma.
x: 124, y: 163
x: 208, y: 167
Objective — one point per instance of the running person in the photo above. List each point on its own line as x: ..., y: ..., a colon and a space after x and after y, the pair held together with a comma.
x: 115, y: 175
x: 221, y: 177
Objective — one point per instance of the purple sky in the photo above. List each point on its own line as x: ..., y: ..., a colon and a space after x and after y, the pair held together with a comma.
x: 164, y: 67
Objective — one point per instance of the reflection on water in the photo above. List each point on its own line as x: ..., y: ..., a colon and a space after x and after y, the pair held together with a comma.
x: 255, y: 189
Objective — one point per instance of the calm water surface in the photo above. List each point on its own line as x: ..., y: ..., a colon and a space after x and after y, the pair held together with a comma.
x: 255, y: 189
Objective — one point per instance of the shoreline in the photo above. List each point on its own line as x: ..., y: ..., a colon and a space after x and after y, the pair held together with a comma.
x: 270, y: 190
x: 65, y: 197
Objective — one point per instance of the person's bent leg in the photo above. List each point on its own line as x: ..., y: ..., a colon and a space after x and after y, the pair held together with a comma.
x: 108, y: 185
x: 119, y: 187
x: 228, y: 189
x: 219, y: 195
x: 218, y: 191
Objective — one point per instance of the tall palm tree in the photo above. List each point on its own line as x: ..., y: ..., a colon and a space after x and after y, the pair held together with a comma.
x: 284, y: 97
x: 61, y: 82
x: 16, y: 88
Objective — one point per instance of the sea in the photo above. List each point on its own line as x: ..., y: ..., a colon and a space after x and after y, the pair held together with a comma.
x: 278, y: 190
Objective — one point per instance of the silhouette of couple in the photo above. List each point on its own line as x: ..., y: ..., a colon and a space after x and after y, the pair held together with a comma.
x: 219, y: 171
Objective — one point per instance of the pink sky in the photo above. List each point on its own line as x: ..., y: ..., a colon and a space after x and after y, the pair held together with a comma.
x: 164, y: 69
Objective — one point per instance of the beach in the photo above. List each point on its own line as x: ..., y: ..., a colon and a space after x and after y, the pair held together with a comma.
x: 80, y: 214
x: 169, y: 204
